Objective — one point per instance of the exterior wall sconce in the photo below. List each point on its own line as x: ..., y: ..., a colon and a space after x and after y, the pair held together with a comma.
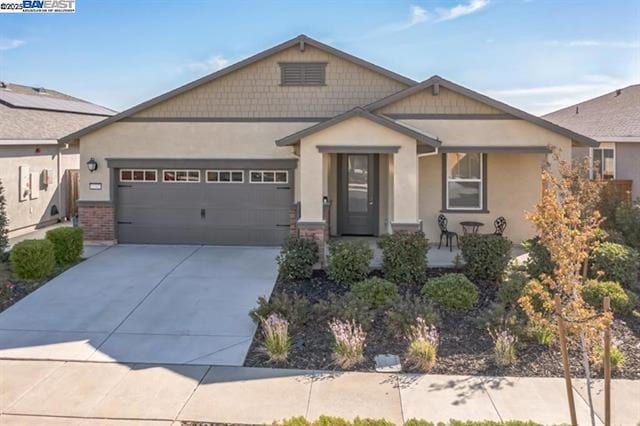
x: 92, y: 165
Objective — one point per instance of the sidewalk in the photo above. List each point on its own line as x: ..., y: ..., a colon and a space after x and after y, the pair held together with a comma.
x: 79, y: 393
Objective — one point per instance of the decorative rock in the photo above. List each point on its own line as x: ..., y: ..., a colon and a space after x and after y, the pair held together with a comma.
x: 388, y: 363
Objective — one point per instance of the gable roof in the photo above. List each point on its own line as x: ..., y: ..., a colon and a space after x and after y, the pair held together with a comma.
x: 581, y: 139
x: 300, y: 40
x: 612, y: 115
x: 412, y: 132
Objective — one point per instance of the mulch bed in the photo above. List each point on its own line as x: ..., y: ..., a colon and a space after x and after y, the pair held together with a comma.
x: 465, y: 347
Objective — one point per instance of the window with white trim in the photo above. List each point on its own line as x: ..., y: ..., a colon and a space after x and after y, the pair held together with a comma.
x: 225, y: 176
x: 138, y: 175
x: 464, y: 186
x: 181, y: 176
x: 603, y: 162
x: 269, y: 176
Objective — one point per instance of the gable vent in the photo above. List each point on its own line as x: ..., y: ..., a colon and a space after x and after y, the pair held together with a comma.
x: 302, y: 73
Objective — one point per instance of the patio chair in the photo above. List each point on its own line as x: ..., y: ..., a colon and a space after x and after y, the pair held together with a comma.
x: 500, y: 225
x: 444, y: 232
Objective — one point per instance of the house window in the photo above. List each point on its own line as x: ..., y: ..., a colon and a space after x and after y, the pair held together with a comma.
x: 269, y: 176
x: 302, y: 73
x: 603, y: 162
x: 181, y: 176
x: 225, y: 176
x: 464, y: 181
x: 138, y: 175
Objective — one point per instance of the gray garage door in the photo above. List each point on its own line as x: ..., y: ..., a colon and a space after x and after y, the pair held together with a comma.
x: 203, y: 206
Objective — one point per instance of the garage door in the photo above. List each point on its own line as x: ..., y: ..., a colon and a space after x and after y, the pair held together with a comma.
x: 203, y: 205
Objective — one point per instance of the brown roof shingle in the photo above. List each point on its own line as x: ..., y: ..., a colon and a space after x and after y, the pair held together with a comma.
x: 616, y: 114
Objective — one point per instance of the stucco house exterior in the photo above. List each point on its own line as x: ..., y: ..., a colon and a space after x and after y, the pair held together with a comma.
x: 612, y: 119
x: 36, y: 171
x: 308, y: 140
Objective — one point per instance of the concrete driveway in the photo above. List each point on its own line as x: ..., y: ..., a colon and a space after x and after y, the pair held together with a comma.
x: 145, y: 304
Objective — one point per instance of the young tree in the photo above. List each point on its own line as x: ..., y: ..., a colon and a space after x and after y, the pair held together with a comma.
x: 567, y: 222
x: 4, y: 222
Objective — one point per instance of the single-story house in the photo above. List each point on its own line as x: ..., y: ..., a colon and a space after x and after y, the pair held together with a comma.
x: 308, y: 140
x: 613, y: 120
x: 39, y: 175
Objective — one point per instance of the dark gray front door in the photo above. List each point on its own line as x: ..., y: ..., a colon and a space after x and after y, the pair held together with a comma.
x: 252, y: 212
x: 358, y: 194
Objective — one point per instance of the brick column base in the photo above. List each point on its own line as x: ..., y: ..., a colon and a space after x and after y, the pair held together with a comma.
x: 318, y: 232
x: 97, y: 219
x: 294, y: 215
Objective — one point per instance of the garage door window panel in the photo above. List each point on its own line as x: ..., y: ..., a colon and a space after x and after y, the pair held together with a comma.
x: 181, y: 176
x: 138, y: 175
x: 225, y: 176
x: 269, y: 176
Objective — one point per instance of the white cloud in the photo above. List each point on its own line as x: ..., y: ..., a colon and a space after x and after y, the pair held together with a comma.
x: 460, y: 10
x: 8, y: 43
x: 211, y: 64
x: 418, y: 15
x: 610, y: 44
x: 544, y: 99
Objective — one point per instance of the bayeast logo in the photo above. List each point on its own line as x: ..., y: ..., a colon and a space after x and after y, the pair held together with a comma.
x: 38, y: 6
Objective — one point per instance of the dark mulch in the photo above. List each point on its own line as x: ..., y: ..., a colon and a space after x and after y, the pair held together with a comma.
x: 465, y: 347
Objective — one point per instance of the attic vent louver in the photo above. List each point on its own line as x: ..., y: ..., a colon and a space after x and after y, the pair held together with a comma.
x: 302, y: 73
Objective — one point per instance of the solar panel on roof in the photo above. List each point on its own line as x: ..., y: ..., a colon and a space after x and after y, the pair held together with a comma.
x: 20, y: 100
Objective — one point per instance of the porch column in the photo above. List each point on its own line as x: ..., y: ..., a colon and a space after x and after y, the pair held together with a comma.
x: 312, y: 223
x: 405, y: 191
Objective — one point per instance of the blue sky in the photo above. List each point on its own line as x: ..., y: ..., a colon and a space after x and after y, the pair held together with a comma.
x: 538, y: 55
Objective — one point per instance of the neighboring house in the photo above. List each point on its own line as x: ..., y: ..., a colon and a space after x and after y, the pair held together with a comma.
x: 36, y: 171
x: 305, y: 139
x: 614, y: 121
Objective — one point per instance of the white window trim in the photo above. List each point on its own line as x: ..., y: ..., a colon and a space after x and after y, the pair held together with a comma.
x: 155, y: 173
x: 480, y: 180
x: 206, y: 177
x: 181, y: 181
x: 603, y: 146
x: 268, y: 171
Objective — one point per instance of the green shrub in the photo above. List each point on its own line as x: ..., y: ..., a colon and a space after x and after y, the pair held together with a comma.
x: 375, y: 292
x: 617, y: 357
x: 294, y: 309
x: 404, y: 256
x: 595, y: 291
x: 402, y: 314
x: 539, y: 260
x: 33, y: 259
x: 296, y: 258
x: 67, y: 244
x: 616, y: 262
x: 346, y: 308
x: 452, y: 292
x: 510, y: 290
x: 628, y: 223
x: 349, y: 261
x: 486, y: 256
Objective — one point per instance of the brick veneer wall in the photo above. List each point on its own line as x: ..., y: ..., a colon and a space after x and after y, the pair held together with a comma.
x: 294, y: 215
x: 97, y: 219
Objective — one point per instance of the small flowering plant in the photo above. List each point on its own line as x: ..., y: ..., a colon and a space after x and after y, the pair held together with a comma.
x: 276, y: 337
x: 505, y: 347
x: 349, y: 340
x: 423, y: 345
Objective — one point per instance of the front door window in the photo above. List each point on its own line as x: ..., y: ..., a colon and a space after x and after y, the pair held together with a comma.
x: 358, y: 183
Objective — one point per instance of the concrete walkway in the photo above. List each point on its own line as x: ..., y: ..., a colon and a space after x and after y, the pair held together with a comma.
x: 65, y: 392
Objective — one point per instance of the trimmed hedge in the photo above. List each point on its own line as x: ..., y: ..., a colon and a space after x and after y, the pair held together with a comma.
x: 348, y: 261
x: 486, y: 256
x: 33, y: 259
x: 404, y: 256
x: 67, y: 244
x: 375, y: 292
x: 622, y: 301
x: 538, y: 260
x: 453, y: 292
x: 628, y: 223
x: 296, y: 258
x: 616, y: 262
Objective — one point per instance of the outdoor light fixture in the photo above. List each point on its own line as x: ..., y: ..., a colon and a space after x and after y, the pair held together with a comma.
x: 92, y: 165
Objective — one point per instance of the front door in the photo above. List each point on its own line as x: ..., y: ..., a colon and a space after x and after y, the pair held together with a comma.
x: 358, y: 204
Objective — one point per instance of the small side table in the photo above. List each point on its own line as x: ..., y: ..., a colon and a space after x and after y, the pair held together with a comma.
x: 470, y: 227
